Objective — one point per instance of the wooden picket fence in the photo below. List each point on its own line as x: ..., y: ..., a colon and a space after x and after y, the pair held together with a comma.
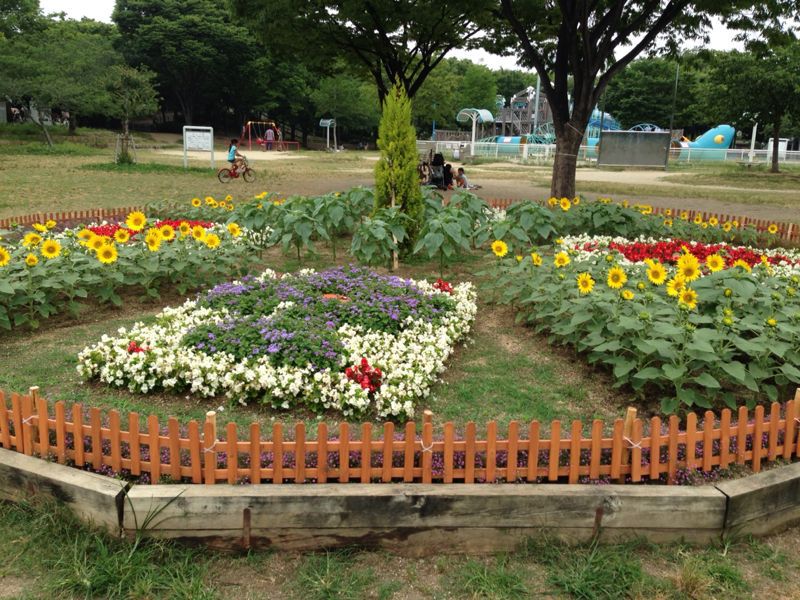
x: 72, y: 216
x: 789, y: 232
x: 92, y: 440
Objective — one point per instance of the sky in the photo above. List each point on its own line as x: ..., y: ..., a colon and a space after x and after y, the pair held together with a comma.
x: 721, y: 38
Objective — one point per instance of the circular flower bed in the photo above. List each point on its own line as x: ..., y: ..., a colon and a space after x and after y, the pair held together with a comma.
x: 345, y: 339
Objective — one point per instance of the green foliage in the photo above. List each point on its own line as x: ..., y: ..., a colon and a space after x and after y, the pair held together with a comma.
x: 526, y: 224
x: 498, y: 580
x: 351, y: 100
x: 296, y: 224
x: 396, y: 179
x: 445, y: 234
x: 377, y: 237
x: 132, y: 94
x: 331, y: 575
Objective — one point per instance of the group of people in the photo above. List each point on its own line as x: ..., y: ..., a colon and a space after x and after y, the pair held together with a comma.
x: 440, y: 174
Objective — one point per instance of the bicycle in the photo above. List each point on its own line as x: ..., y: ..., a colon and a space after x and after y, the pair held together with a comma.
x: 226, y: 174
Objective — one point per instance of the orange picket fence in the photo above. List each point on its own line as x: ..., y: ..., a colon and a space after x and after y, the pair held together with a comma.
x: 155, y: 452
x: 789, y: 232
x: 79, y: 216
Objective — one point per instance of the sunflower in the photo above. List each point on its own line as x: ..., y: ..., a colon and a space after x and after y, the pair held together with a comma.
x: 210, y: 200
x: 31, y: 260
x: 153, y: 241
x: 519, y: 258
x: 713, y: 221
x: 262, y: 195
x: 212, y: 240
x: 668, y: 212
x: 646, y: 209
x: 234, y: 229
x: 196, y: 202
x: 51, y: 249
x: 136, y: 221
x: 743, y: 265
x: 198, y: 232
x: 222, y: 204
x: 500, y: 248
x: 50, y: 224
x: 31, y: 239
x: 536, y: 259
x: 228, y: 198
x: 698, y: 219
x: 552, y: 201
x: 685, y: 215
x: 715, y: 262
x: 576, y: 201
x: 688, y: 297
x: 5, y: 257
x: 727, y: 226
x: 667, y: 222
x: 625, y: 204
x: 675, y: 285
x: 561, y: 259
x: 735, y: 223
x: 84, y: 235
x: 565, y: 204
x: 107, y: 254
x: 98, y: 242
x: 616, y: 278
x: 641, y: 286
x: 689, y: 267
x: 704, y: 225
x: 121, y: 236
x: 772, y: 322
x: 627, y: 295
x: 39, y: 227
x: 184, y: 228
x: 167, y: 232
x: 213, y: 203
x: 230, y: 207
x: 657, y: 273
x: 773, y: 228
x: 585, y: 283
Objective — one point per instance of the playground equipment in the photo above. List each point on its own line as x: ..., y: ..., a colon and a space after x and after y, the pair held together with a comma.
x: 476, y: 115
x: 256, y: 131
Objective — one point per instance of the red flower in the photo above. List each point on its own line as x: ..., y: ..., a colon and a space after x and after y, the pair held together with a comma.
x: 363, y: 374
x: 134, y: 348
x: 443, y: 286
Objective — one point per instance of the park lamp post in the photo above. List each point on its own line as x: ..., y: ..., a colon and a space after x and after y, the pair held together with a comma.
x: 476, y: 115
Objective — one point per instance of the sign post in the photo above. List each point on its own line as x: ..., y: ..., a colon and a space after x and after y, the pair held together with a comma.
x: 198, y: 139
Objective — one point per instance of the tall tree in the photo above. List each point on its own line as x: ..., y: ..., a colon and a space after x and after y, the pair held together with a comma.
x: 132, y: 95
x: 19, y: 16
x: 394, y: 40
x: 351, y: 100
x: 592, y: 41
x: 761, y: 87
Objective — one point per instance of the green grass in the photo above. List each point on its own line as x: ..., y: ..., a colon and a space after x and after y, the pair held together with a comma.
x: 498, y: 580
x: 145, y: 168
x: 758, y: 177
x: 331, y: 576
x: 58, y: 149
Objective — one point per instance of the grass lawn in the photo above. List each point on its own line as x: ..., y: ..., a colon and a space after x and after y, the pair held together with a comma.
x: 48, y: 554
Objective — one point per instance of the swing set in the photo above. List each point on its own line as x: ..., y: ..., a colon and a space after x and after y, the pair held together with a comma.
x: 255, y: 132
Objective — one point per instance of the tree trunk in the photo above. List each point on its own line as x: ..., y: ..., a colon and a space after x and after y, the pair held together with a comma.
x: 568, y: 143
x: 43, y: 127
x: 73, y: 123
x: 776, y: 132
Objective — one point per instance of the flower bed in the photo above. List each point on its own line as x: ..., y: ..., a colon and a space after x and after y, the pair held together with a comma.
x: 344, y: 339
x: 48, y: 271
x: 709, y: 325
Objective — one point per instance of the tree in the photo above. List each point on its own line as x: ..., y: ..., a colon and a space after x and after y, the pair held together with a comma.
x: 352, y: 101
x: 511, y: 81
x: 132, y: 95
x: 759, y: 87
x: 593, y: 41
x: 19, y: 16
x: 394, y: 40
x: 64, y: 65
x: 396, y: 179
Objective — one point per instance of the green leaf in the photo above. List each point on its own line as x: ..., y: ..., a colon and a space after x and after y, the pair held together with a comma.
x: 648, y: 373
x: 735, y: 369
x: 674, y: 371
x: 707, y: 380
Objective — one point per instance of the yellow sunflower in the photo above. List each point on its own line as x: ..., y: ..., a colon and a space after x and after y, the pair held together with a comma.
x: 51, y: 249
x: 735, y: 223
x: 585, y: 283
x: 668, y: 212
x: 675, y: 285
x: 564, y: 203
x: 5, y: 257
x: 212, y: 240
x: 31, y: 240
x: 107, y: 254
x: 713, y: 221
x: 196, y: 202
x: 743, y: 265
x: 552, y: 201
x: 727, y: 226
x: 84, y: 235
x: 772, y: 322
x: 576, y: 201
x: 98, y: 242
x: 657, y: 273
x: 210, y: 200
x: 689, y: 267
x: 121, y: 236
x: 715, y: 262
x: 198, y: 232
x: 136, y: 221
x: 685, y: 215
x: 222, y: 204
x: 698, y: 219
x: 667, y: 222
x: 561, y: 259
x: 31, y: 260
x: 627, y: 295
x: 500, y: 248
x: 50, y: 224
x: 234, y: 229
x: 39, y: 227
x: 167, y: 232
x: 536, y: 259
x: 688, y: 297
x: 518, y: 257
x: 184, y: 228
x: 773, y: 228
x: 153, y: 241
x: 616, y: 278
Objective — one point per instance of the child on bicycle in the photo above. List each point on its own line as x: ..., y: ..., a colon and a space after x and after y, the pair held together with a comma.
x: 234, y: 156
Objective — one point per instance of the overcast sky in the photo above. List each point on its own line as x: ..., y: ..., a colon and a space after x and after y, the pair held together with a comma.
x: 721, y: 38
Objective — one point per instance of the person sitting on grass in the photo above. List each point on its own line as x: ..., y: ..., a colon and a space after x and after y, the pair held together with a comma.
x: 234, y: 157
x: 463, y: 182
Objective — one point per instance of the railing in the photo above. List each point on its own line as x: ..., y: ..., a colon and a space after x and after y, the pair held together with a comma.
x: 196, y: 454
x: 69, y: 216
